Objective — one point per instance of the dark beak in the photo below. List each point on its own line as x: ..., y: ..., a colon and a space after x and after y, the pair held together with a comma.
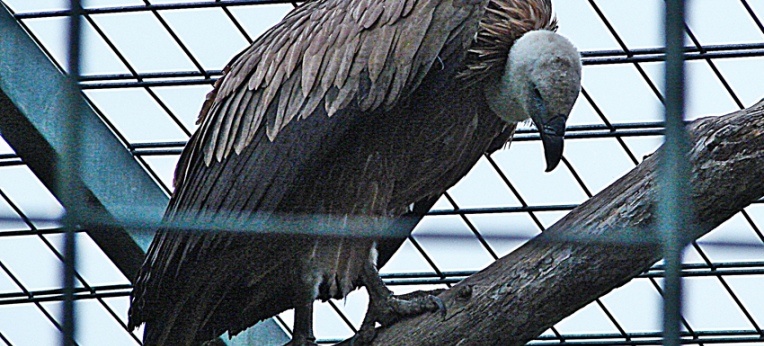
x: 552, y: 134
x: 551, y: 128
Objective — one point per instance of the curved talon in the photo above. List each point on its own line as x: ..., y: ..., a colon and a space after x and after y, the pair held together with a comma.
x: 441, y: 307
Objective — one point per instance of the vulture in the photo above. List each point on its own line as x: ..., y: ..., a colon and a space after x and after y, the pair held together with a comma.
x: 351, y: 109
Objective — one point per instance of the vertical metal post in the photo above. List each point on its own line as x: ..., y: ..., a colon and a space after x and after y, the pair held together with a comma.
x: 69, y: 163
x: 675, y: 202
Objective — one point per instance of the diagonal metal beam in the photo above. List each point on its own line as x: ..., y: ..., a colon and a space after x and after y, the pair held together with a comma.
x: 112, y: 184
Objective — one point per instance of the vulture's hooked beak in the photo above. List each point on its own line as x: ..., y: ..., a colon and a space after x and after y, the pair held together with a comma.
x: 551, y: 128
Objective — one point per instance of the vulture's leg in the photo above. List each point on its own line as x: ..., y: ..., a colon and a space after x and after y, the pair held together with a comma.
x: 302, y: 334
x: 387, y: 309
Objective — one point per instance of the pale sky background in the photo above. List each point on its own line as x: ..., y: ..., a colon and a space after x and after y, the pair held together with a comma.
x: 619, y: 91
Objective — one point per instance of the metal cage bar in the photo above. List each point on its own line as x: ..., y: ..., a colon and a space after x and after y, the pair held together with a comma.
x: 674, y: 173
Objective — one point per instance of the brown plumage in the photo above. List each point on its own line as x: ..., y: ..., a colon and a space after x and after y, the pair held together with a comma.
x: 501, y: 25
x: 345, y: 108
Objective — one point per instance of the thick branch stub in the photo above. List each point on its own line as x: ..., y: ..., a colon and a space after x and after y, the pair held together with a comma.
x: 577, y: 260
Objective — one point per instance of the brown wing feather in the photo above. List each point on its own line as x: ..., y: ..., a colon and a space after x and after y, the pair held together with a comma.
x: 300, y: 40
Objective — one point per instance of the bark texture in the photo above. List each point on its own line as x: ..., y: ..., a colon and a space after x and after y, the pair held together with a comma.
x: 599, y: 246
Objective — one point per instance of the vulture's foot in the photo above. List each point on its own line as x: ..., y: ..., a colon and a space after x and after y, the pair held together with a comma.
x: 387, y: 309
x: 301, y: 341
x: 391, y: 309
x: 394, y: 308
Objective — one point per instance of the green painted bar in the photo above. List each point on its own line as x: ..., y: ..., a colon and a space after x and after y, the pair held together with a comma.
x: 113, y: 185
x: 674, y: 206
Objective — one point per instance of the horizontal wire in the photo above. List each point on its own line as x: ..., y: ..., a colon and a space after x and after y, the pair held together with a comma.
x: 657, y: 55
x: 328, y: 225
x: 635, y: 338
x: 20, y: 233
x: 106, y: 291
x: 654, y: 338
x: 599, y: 57
x: 656, y: 271
x: 149, y: 75
x: 149, y: 7
x: 11, y: 161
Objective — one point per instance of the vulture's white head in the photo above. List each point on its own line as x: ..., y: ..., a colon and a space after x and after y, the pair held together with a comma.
x: 541, y: 81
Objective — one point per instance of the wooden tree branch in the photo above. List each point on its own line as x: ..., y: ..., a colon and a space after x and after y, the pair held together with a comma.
x: 598, y: 246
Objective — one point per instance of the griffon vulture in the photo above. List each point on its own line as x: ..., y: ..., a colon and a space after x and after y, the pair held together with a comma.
x: 346, y: 108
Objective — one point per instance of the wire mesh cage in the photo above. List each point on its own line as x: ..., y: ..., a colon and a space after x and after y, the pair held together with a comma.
x: 147, y: 65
